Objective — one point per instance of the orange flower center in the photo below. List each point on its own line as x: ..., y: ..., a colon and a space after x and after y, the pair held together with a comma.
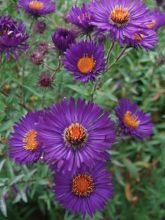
x: 75, y: 134
x: 86, y: 64
x: 131, y: 120
x: 82, y: 185
x: 36, y: 5
x: 30, y: 142
x: 139, y: 37
x: 152, y: 24
x: 120, y: 16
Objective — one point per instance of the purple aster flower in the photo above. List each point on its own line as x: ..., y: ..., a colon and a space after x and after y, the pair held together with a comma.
x: 81, y: 17
x: 40, y: 27
x: 63, y: 38
x: 45, y: 80
x: 37, y: 7
x: 85, y: 60
x: 157, y: 20
x: 13, y: 37
x: 43, y: 47
x: 85, y: 191
x: 24, y: 146
x: 132, y: 120
x: 37, y: 58
x: 142, y: 38
x: 117, y: 16
x: 75, y: 132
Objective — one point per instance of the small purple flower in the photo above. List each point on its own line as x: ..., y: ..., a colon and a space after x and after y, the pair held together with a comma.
x: 24, y: 146
x: 63, y: 38
x: 37, y: 7
x: 45, y: 80
x: 117, y: 16
x: 157, y: 20
x: 37, y: 58
x: 85, y: 60
x: 132, y: 120
x: 142, y: 38
x: 75, y: 133
x: 13, y: 37
x: 85, y: 191
x: 160, y: 3
x: 81, y: 17
x: 40, y: 27
x: 43, y: 47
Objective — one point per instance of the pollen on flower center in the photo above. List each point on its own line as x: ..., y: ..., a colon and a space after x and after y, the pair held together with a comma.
x: 82, y: 185
x: 131, y: 120
x: 120, y: 16
x: 75, y: 134
x: 86, y: 64
x: 30, y: 142
x: 139, y: 37
x: 151, y: 25
x: 36, y: 5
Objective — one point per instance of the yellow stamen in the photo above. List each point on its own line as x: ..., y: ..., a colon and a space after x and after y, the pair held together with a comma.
x: 30, y: 142
x: 75, y: 134
x: 120, y: 16
x: 131, y: 120
x: 152, y: 24
x: 86, y: 64
x: 36, y: 5
x: 139, y: 37
x: 82, y: 185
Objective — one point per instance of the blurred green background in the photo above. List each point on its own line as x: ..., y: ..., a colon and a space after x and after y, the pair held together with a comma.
x: 137, y: 167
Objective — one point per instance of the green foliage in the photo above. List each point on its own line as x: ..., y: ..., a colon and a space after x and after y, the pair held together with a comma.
x: 138, y: 167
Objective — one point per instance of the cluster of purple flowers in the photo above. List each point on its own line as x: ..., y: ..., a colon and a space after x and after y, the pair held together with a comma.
x: 129, y: 23
x: 13, y: 37
x: 74, y: 137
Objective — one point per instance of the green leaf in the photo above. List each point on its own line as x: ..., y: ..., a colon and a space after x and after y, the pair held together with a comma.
x: 3, y: 206
x: 131, y: 168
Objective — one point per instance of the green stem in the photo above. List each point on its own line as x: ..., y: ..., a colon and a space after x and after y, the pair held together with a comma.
x: 22, y: 86
x: 27, y: 108
x: 52, y: 69
x: 20, y: 182
x: 94, y: 89
x: 110, y: 51
x: 117, y: 58
x: 43, y: 98
x: 58, y: 68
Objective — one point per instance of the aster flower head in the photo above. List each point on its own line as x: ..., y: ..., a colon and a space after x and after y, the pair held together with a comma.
x: 63, y: 38
x: 85, y: 60
x: 75, y: 133
x: 24, y: 145
x: 45, y: 80
x: 157, y: 20
x: 40, y: 27
x: 81, y: 17
x: 132, y: 120
x: 117, y: 16
x: 37, y: 57
x: 13, y: 37
x: 37, y: 7
x: 43, y: 47
x: 142, y: 38
x: 85, y: 191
